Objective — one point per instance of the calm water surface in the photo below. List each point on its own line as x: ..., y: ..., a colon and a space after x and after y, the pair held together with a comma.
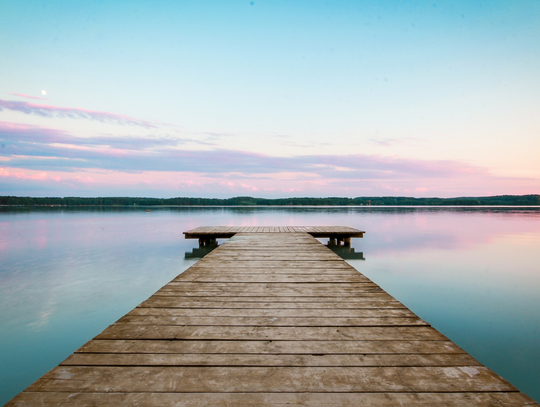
x: 66, y: 274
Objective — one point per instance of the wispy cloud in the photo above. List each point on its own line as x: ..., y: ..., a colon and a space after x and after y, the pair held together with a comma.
x: 92, y: 182
x: 163, y: 163
x: 19, y: 134
x: 72, y: 113
x: 22, y: 95
x: 42, y: 148
x: 281, y: 136
x: 216, y: 136
x: 387, y: 142
x: 22, y: 175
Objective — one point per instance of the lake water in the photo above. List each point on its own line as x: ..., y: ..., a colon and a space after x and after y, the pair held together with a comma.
x: 66, y: 274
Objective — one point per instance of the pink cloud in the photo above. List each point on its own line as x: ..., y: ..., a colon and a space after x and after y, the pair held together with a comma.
x: 162, y: 154
x: 249, y: 187
x: 22, y: 175
x: 27, y: 96
x: 72, y: 113
x: 84, y: 179
x: 128, y: 163
x: 101, y: 182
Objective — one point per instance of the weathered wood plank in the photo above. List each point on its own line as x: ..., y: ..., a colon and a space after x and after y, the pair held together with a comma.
x: 337, y: 300
x: 132, y: 331
x: 293, y: 288
x: 161, y: 359
x: 276, y: 295
x: 268, y: 321
x: 302, y: 254
x: 283, y: 257
x: 269, y: 303
x: 273, y: 313
x: 70, y: 399
x: 230, y: 251
x: 277, y: 278
x: 271, y: 271
x: 357, y: 285
x: 261, y: 239
x: 275, y: 245
x: 321, y: 303
x: 278, y: 264
x: 270, y: 291
x: 337, y: 288
x: 306, y: 287
x: 273, y: 296
x: 270, y: 379
x: 74, y: 399
x: 265, y: 251
x: 315, y: 247
x: 226, y: 270
x: 222, y: 277
x: 272, y: 347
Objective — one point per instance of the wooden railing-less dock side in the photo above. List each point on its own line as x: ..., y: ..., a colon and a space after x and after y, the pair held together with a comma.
x: 271, y: 318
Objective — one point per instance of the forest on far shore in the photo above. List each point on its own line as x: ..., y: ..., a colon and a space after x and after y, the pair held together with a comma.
x: 250, y: 201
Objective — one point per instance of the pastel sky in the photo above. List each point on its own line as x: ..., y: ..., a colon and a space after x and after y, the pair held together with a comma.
x: 269, y: 98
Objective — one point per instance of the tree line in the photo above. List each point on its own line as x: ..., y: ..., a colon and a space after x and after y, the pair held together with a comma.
x: 250, y: 201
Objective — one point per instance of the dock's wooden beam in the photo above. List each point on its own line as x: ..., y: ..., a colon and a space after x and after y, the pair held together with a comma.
x: 341, y: 233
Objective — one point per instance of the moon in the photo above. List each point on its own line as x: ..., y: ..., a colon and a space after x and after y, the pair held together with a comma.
x: 43, y: 92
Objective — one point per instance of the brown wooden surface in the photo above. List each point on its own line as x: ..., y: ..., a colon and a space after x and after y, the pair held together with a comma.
x: 271, y: 317
x: 220, y: 232
x: 351, y: 399
x: 269, y: 379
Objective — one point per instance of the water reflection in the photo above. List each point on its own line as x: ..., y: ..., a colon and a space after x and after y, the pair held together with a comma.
x: 252, y: 210
x: 346, y: 252
x: 68, y: 273
x: 202, y: 250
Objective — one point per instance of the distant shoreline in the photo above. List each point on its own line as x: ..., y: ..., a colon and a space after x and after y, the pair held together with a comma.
x: 498, y: 200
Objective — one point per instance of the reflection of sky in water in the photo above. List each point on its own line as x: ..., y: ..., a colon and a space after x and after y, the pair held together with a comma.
x: 67, y: 274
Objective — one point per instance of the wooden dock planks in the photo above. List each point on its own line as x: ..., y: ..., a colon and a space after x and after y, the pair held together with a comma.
x: 271, y: 318
x: 221, y: 232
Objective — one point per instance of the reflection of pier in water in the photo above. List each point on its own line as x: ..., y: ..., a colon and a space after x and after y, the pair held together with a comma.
x: 346, y: 252
x: 201, y: 251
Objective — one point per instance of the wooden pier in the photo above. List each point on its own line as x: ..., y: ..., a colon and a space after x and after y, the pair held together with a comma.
x: 271, y: 318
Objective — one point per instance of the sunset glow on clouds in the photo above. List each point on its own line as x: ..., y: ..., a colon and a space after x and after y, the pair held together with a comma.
x: 270, y: 99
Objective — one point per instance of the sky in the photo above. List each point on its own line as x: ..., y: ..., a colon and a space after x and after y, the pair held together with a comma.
x: 269, y: 98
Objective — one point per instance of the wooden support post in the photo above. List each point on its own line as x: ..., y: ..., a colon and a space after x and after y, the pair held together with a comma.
x: 347, y: 242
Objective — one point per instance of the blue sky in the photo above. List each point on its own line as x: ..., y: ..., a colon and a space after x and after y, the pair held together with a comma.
x: 269, y: 98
